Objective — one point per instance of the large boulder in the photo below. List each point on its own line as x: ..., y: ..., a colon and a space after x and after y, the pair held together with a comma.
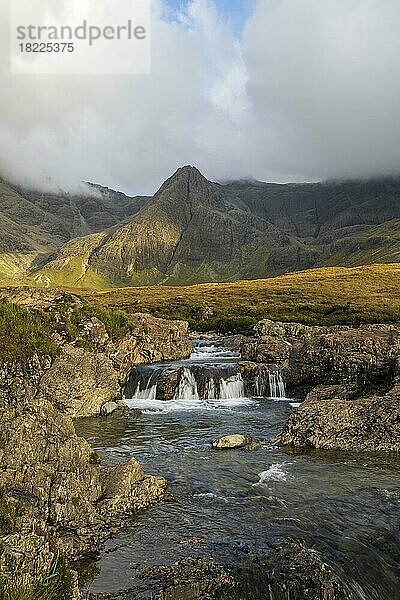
x: 152, y: 340
x: 79, y: 382
x: 325, y: 420
x: 126, y: 488
x: 51, y: 481
x: 364, y: 357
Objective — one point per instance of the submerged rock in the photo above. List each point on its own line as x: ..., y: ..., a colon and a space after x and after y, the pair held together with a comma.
x: 290, y: 571
x: 230, y: 442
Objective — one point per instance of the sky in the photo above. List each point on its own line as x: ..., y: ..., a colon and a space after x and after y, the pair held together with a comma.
x: 234, y: 12
x: 276, y: 90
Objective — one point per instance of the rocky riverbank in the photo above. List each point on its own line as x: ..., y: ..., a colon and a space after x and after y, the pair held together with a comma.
x: 290, y: 570
x: 349, y: 378
x: 56, y: 501
x: 62, y: 358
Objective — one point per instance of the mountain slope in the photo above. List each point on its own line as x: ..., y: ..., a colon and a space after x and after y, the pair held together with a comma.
x: 33, y: 225
x: 195, y: 231
x: 191, y: 230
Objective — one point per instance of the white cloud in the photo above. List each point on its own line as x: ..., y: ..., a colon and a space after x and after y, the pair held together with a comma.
x: 311, y: 91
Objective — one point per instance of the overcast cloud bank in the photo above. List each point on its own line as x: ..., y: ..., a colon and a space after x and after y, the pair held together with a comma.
x: 311, y: 91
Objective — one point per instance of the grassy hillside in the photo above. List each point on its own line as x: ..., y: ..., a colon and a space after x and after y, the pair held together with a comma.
x: 320, y: 296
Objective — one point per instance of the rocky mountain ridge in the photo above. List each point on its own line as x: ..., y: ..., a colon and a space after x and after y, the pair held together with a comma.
x: 34, y: 224
x: 194, y: 230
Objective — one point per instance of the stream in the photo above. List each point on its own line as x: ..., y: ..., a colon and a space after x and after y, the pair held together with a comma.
x: 230, y: 505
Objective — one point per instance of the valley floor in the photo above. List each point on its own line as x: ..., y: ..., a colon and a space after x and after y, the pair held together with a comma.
x: 327, y: 296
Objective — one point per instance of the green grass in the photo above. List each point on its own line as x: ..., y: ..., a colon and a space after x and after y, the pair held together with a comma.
x: 326, y: 296
x: 7, y: 514
x: 56, y: 584
x: 116, y: 322
x: 22, y: 333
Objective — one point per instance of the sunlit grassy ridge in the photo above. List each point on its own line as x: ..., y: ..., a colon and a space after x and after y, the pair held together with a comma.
x: 328, y: 296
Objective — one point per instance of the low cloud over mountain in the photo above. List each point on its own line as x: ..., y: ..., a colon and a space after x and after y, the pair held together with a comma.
x: 310, y: 91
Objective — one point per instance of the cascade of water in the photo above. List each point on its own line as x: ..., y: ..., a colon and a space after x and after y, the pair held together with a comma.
x: 210, y: 390
x: 262, y: 387
x: 187, y: 388
x: 208, y: 379
x: 148, y: 393
x: 233, y: 387
x: 276, y: 385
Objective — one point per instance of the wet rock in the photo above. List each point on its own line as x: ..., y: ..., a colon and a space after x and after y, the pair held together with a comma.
x: 126, y: 488
x: 363, y: 357
x: 230, y: 442
x: 296, y: 572
x: 253, y: 445
x: 167, y: 383
x: 258, y: 377
x: 290, y: 571
x: 365, y: 424
x: 109, y: 408
x: 195, y: 578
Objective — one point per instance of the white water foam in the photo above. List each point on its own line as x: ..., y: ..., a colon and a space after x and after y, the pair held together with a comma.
x: 274, y: 473
x: 233, y: 387
x: 276, y: 385
x: 210, y: 496
x: 212, y: 352
x: 187, y: 388
x: 269, y: 384
x: 184, y: 404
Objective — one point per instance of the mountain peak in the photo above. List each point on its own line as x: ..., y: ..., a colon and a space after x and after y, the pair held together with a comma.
x: 185, y: 178
x: 188, y: 173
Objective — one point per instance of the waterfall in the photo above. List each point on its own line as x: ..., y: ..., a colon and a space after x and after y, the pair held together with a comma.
x: 217, y: 376
x: 187, y: 388
x: 276, y: 385
x: 233, y: 387
x: 269, y: 384
x: 210, y: 390
x: 149, y: 392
